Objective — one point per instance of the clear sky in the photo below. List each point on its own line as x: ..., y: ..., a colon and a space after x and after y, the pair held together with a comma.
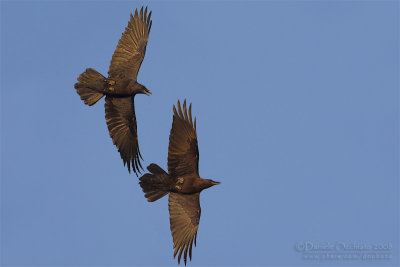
x: 297, y: 107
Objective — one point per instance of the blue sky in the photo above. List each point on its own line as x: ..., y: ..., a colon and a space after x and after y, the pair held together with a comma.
x: 297, y: 107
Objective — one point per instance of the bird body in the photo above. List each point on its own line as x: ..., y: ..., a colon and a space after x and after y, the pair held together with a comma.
x: 124, y: 88
x: 115, y: 88
x: 190, y: 184
x: 182, y: 182
x: 120, y: 88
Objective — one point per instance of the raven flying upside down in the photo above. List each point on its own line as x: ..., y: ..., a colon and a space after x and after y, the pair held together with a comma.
x: 120, y: 88
x: 182, y: 182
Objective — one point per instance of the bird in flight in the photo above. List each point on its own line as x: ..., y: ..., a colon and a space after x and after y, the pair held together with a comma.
x: 182, y: 182
x: 120, y: 88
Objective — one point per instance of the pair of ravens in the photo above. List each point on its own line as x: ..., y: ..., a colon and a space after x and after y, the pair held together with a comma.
x: 182, y: 182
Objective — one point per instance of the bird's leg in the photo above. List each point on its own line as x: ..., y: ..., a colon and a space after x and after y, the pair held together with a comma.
x: 179, y: 182
x: 178, y: 187
x: 110, y: 85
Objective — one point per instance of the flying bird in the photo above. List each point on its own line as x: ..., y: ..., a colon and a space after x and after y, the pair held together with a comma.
x: 182, y: 182
x: 120, y: 88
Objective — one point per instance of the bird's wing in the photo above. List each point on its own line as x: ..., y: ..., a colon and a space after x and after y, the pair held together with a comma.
x: 183, y: 152
x: 121, y: 122
x: 184, y: 214
x: 131, y: 48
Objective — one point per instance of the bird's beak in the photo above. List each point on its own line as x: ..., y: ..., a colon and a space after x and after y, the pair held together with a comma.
x: 147, y: 92
x: 215, y: 183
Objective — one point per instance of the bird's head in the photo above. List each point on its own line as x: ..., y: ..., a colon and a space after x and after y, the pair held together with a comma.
x: 213, y: 182
x: 208, y: 183
x: 143, y: 90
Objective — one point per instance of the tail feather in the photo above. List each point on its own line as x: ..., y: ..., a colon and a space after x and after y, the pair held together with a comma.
x: 90, y: 82
x: 154, y: 168
x: 156, y: 184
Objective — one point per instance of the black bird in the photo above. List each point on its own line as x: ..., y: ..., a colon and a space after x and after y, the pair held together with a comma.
x: 120, y: 88
x: 182, y: 182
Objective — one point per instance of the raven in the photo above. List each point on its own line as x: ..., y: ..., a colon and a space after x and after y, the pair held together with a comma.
x: 120, y: 88
x: 182, y: 182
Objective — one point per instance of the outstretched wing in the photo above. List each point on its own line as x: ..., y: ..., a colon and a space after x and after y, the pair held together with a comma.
x: 183, y: 152
x: 121, y: 122
x: 184, y: 215
x: 131, y: 48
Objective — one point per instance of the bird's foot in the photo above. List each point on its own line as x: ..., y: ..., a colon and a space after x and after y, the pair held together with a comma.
x: 178, y: 187
x: 111, y: 82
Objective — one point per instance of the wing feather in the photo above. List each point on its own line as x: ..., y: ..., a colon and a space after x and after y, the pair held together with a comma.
x: 131, y: 48
x: 185, y: 214
x: 183, y: 152
x: 121, y: 122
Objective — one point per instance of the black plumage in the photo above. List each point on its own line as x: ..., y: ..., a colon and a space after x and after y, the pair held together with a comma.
x: 182, y: 182
x: 120, y: 88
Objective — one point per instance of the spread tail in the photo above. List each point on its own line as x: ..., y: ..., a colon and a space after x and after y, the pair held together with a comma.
x: 156, y: 184
x: 89, y: 85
